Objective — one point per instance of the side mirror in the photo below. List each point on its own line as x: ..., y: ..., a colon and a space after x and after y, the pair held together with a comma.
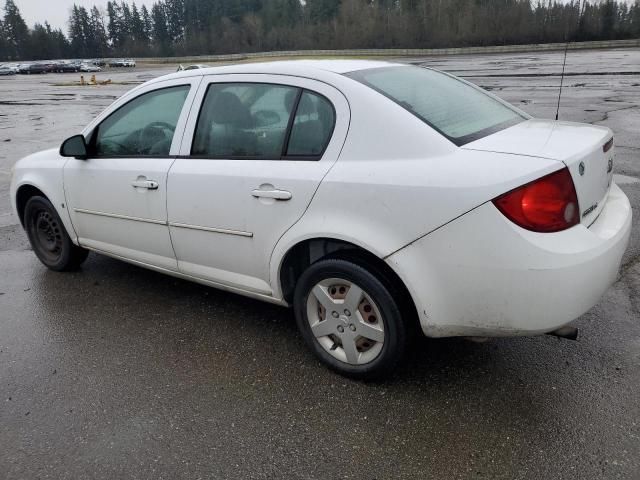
x: 76, y: 147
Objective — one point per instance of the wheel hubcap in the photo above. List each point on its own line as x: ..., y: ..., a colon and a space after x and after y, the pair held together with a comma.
x: 345, y: 321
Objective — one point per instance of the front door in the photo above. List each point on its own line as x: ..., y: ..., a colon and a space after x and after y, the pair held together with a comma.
x: 117, y: 197
x: 251, y: 161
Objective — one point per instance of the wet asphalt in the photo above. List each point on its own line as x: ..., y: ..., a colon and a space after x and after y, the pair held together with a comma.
x: 119, y: 372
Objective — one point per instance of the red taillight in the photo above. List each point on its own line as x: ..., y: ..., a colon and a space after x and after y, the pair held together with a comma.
x: 549, y: 204
x: 607, y: 146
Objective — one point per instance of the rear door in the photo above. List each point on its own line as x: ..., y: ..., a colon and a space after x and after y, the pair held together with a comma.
x: 253, y: 155
x: 117, y: 197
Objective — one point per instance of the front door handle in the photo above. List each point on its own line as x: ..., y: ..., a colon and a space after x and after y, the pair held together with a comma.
x: 273, y: 193
x: 148, y: 184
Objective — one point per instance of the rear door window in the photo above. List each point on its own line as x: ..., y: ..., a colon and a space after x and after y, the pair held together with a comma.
x: 262, y: 121
x: 244, y: 120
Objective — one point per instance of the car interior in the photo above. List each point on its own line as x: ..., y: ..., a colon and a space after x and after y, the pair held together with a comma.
x: 236, y: 120
x: 251, y: 120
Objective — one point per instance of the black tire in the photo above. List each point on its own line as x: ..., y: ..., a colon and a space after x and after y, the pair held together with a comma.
x: 48, y: 237
x: 395, y: 329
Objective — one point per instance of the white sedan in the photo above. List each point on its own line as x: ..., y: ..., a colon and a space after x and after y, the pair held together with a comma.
x: 372, y: 197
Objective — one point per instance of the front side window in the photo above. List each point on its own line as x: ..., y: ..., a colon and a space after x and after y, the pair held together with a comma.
x: 244, y: 120
x: 143, y: 127
x: 459, y: 111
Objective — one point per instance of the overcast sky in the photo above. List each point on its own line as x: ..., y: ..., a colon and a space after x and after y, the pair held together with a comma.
x: 56, y: 12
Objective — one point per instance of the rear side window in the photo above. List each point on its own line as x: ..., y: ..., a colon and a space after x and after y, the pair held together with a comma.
x: 244, y: 120
x: 262, y: 121
x: 312, y: 126
x: 460, y: 112
x: 143, y: 127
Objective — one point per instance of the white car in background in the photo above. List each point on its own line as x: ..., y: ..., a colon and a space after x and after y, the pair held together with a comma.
x: 122, y: 63
x: 195, y: 66
x: 9, y: 69
x: 372, y: 197
x: 90, y: 68
x: 4, y: 71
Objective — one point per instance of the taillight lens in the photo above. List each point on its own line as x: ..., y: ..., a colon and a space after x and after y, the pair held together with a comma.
x: 549, y: 204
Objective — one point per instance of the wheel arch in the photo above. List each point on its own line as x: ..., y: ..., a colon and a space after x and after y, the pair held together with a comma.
x: 307, y: 251
x: 42, y: 185
x: 23, y: 194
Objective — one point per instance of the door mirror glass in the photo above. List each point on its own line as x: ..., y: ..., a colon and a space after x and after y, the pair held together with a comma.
x: 74, y: 147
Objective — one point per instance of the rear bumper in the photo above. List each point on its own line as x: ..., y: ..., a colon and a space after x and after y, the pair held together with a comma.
x: 483, y: 275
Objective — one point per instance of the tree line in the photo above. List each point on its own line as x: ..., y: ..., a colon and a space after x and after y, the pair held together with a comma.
x: 195, y: 27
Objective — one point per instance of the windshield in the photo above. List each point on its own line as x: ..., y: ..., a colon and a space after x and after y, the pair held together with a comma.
x: 459, y: 111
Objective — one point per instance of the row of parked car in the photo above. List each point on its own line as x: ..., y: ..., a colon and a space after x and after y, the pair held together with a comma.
x: 66, y: 66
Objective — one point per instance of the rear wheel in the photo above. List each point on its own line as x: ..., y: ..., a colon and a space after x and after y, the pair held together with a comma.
x: 48, y: 237
x: 350, y: 319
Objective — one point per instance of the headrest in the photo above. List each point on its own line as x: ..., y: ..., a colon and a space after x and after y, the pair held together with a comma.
x: 229, y: 110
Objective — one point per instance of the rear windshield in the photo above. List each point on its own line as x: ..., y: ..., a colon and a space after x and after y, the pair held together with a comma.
x: 459, y: 111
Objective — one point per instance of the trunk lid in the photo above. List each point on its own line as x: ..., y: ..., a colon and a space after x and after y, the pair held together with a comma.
x: 579, y: 146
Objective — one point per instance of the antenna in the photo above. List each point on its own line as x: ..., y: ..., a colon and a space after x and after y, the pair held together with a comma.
x: 564, y: 62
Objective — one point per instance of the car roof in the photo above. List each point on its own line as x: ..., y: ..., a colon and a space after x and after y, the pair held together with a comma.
x: 305, y: 68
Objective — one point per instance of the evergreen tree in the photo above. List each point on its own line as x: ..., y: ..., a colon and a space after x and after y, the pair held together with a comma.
x: 228, y: 26
x: 48, y: 43
x: 322, y: 10
x: 137, y: 28
x: 634, y: 20
x: 161, y: 38
x: 114, y: 30
x: 77, y: 33
x: 147, y: 22
x: 126, y: 35
x: 4, y: 43
x: 609, y: 13
x: 16, y: 32
x: 175, y: 20
x: 100, y: 38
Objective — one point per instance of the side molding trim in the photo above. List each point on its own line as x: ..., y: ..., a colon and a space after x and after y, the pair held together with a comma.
x: 121, y: 217
x: 239, y: 233
x: 225, y: 231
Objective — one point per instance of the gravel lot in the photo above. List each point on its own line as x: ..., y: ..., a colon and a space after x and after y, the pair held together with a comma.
x: 119, y: 372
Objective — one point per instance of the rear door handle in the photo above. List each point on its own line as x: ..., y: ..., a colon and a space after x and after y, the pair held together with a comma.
x: 275, y: 194
x: 148, y: 184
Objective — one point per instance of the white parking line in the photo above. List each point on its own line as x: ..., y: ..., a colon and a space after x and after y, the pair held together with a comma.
x: 625, y: 179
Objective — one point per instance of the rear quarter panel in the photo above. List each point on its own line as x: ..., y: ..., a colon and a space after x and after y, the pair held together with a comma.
x: 397, y: 180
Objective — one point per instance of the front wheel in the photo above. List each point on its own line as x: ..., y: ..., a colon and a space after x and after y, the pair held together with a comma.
x: 48, y: 237
x: 350, y: 319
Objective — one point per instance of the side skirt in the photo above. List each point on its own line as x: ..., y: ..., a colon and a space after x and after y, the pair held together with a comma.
x: 219, y: 286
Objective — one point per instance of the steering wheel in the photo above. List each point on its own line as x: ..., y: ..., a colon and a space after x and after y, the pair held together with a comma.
x: 149, y: 134
x: 109, y: 147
